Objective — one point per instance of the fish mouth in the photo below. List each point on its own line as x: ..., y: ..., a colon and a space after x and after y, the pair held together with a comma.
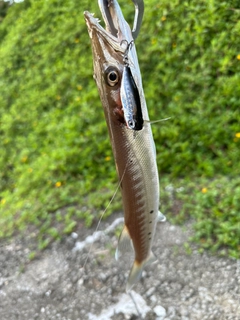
x: 116, y: 28
x: 110, y: 10
x: 94, y: 27
x: 93, y: 23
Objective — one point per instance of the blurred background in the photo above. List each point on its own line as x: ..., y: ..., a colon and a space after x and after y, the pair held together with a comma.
x: 56, y: 163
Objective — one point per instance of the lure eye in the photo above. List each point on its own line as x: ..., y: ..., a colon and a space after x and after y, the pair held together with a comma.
x: 112, y: 76
x: 131, y: 124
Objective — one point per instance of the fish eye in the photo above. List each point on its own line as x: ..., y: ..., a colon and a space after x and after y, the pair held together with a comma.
x: 112, y: 76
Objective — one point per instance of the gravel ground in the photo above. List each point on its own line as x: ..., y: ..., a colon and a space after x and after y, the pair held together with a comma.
x: 62, y: 284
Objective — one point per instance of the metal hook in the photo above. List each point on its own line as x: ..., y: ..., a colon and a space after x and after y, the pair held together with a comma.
x: 109, y: 17
x: 129, y: 46
x: 139, y: 10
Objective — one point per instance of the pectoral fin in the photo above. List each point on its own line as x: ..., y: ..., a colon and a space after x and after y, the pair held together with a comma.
x: 156, y: 121
x: 161, y: 217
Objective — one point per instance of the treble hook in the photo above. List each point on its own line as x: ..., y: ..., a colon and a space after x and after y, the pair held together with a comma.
x: 129, y: 46
x: 139, y: 10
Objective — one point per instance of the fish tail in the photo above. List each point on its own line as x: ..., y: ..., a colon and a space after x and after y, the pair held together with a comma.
x: 136, y: 271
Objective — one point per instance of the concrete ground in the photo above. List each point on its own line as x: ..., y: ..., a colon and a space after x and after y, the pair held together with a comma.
x: 80, y: 279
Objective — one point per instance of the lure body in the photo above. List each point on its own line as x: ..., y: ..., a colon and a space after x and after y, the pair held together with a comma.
x: 120, y: 89
x: 130, y: 101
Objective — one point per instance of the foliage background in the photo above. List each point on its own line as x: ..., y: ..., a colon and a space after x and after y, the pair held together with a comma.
x: 56, y: 165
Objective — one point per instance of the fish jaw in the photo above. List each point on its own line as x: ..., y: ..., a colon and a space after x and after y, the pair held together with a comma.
x: 105, y: 46
x: 107, y: 55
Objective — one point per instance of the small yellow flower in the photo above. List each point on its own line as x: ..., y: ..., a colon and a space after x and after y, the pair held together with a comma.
x: 77, y: 99
x: 30, y: 170
x: 107, y: 158
x: 204, y: 190
x: 58, y: 184
x: 24, y: 159
x: 79, y: 87
x: 3, y: 201
x: 237, y: 135
x: 238, y: 56
x: 164, y: 18
x: 154, y: 41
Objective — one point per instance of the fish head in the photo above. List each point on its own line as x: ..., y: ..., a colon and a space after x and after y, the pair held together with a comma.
x: 108, y: 53
x: 113, y: 49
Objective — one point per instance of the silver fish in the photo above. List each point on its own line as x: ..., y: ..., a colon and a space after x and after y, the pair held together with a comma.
x: 118, y: 78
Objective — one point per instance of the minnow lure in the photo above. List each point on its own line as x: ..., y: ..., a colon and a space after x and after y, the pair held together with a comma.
x: 118, y: 78
x: 130, y: 96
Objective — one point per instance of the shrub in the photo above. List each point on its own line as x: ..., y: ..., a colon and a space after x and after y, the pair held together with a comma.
x: 55, y: 154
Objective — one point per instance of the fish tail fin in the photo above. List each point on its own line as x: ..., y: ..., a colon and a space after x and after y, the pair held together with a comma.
x: 135, y: 275
x: 136, y: 271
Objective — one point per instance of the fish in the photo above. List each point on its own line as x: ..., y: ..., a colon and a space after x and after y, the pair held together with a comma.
x: 118, y: 78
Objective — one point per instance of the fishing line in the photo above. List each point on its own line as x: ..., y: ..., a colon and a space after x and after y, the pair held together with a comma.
x: 135, y: 305
x: 102, y: 215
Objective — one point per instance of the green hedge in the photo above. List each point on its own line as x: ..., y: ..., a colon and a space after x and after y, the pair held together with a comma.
x: 191, y: 67
x: 56, y: 160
